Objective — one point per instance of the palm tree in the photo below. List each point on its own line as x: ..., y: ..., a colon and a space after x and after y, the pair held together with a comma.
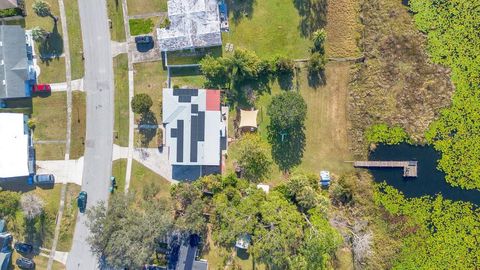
x: 42, y: 9
x: 318, y: 38
x: 39, y: 34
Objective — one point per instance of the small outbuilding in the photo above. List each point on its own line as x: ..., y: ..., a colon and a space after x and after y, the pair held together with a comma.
x: 324, y: 178
x: 248, y: 120
x: 243, y: 241
x: 265, y: 188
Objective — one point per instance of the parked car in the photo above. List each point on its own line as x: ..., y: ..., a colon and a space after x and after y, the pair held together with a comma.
x: 113, y: 184
x: 82, y: 201
x: 23, y: 248
x: 144, y: 39
x: 152, y: 267
x: 25, y: 263
x: 44, y: 179
x: 41, y: 88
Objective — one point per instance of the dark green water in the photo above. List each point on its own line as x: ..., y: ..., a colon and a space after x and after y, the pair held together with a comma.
x: 430, y: 181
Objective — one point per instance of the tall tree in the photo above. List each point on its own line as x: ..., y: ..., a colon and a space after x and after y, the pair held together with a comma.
x: 9, y: 203
x: 39, y: 34
x: 254, y: 157
x: 141, y: 103
x: 43, y: 9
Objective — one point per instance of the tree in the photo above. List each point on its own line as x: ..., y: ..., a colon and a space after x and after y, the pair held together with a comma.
x: 319, y: 38
x: 316, y: 62
x: 39, y: 34
x: 43, y: 9
x: 190, y: 208
x: 284, y: 66
x: 216, y: 71
x: 32, y: 205
x: 9, y: 203
x: 287, y: 113
x: 123, y: 233
x: 254, y: 157
x: 141, y: 103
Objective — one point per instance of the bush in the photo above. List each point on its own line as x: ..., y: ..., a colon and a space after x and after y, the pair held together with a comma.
x: 382, y: 133
x: 141, y: 103
x: 317, y: 62
x: 284, y: 65
x: 10, y: 12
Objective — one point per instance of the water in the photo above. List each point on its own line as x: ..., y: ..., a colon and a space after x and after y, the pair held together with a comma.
x: 430, y: 181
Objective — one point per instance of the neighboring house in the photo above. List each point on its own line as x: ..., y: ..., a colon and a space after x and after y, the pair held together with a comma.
x: 17, y: 155
x: 5, y: 250
x: 17, y: 73
x: 187, y: 255
x: 193, y: 24
x: 195, y: 131
x: 6, y: 4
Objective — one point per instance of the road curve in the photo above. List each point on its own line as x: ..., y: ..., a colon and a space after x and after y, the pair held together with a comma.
x: 99, y: 86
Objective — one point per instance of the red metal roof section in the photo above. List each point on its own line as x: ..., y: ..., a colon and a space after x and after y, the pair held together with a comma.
x: 213, y: 100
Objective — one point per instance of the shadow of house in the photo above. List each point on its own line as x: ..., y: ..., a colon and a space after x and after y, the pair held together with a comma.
x: 240, y: 9
x: 147, y: 127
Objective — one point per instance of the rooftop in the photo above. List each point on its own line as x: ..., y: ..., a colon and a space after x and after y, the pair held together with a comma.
x: 194, y: 126
x: 193, y: 24
x: 14, y: 145
x: 13, y: 62
x: 5, y: 4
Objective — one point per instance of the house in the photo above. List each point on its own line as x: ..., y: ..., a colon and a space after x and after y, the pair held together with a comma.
x: 17, y: 155
x: 193, y: 24
x: 5, y: 250
x: 187, y: 258
x: 195, y: 131
x: 6, y: 4
x: 17, y: 73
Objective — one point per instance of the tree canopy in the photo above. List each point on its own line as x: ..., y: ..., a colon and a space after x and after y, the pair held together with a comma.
x: 287, y: 113
x: 9, y: 203
x: 43, y: 9
x: 254, y: 157
x: 141, y: 103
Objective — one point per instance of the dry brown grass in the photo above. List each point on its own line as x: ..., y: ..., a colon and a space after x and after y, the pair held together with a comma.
x: 397, y: 84
x: 343, y: 28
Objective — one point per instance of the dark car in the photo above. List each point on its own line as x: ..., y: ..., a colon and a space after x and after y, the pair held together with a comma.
x: 153, y: 267
x: 41, y: 88
x: 25, y: 263
x: 44, y: 179
x: 82, y: 201
x: 23, y: 248
x: 144, y: 39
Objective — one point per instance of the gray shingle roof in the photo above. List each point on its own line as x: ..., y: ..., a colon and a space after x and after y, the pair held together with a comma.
x: 13, y: 62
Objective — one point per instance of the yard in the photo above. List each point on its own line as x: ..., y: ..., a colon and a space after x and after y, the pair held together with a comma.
x: 268, y: 27
x: 50, y: 116
x: 142, y: 26
x: 115, y: 14
x: 186, y: 57
x: 119, y: 168
x: 188, y: 77
x: 74, y: 38
x: 51, y: 151
x: 77, y: 142
x: 69, y: 218
x: 120, y: 64
x: 41, y: 263
x: 51, y: 71
x: 136, y: 7
x: 143, y: 177
x: 150, y: 78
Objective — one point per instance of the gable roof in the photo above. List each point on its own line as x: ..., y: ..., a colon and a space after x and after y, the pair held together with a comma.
x: 193, y: 24
x: 13, y: 61
x: 5, y: 4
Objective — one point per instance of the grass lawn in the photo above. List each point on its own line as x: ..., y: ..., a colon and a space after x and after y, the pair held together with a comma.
x: 32, y: 20
x: 152, y: 138
x: 343, y: 28
x: 121, y: 99
x: 272, y: 29
x: 50, y: 151
x: 188, y: 57
x: 142, y: 177
x: 50, y: 114
x: 52, y: 71
x: 69, y: 218
x: 136, y: 7
x: 74, y: 38
x: 115, y: 14
x: 141, y: 26
x: 150, y: 78
x: 77, y: 146
x: 189, y: 77
x: 119, y: 168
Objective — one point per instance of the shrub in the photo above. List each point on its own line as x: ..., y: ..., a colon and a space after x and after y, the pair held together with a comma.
x: 382, y: 133
x: 141, y: 103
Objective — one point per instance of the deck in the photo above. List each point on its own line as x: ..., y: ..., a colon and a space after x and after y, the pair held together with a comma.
x: 409, y: 167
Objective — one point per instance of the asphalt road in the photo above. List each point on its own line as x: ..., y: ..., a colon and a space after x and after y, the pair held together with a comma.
x: 98, y: 84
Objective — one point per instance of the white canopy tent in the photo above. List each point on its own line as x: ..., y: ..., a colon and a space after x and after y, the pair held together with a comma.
x: 248, y: 119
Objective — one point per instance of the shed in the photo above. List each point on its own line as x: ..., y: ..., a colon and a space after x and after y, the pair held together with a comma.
x: 324, y: 178
x: 243, y: 241
x: 265, y: 188
x: 248, y: 119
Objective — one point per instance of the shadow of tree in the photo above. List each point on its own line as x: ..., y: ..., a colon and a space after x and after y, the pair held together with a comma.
x: 52, y: 47
x: 240, y: 9
x: 313, y: 14
x: 288, y: 148
x: 39, y: 228
x: 285, y: 80
x: 147, y: 128
x: 317, y: 78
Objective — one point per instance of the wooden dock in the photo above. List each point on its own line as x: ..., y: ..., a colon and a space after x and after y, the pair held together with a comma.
x: 409, y: 167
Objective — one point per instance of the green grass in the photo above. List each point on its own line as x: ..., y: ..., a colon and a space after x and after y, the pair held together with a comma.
x: 119, y: 168
x: 150, y: 78
x: 115, y: 14
x: 79, y: 120
x: 142, y: 177
x: 140, y: 26
x: 187, y: 77
x: 68, y: 219
x: 32, y: 20
x: 52, y: 71
x: 74, y: 38
x: 188, y: 57
x: 136, y: 7
x: 41, y: 263
x: 121, y: 100
x: 50, y: 115
x: 50, y: 151
x: 272, y: 29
